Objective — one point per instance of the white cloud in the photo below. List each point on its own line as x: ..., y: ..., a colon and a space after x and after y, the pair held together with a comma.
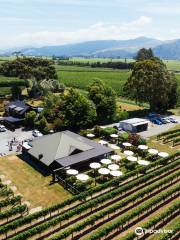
x: 98, y: 31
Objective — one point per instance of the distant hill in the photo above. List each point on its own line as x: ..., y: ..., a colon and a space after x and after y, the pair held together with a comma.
x: 107, y: 48
x: 168, y: 50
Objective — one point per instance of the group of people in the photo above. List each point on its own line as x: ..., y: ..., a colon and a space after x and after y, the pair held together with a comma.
x: 15, y: 143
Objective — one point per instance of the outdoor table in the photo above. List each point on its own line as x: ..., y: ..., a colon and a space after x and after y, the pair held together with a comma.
x: 90, y: 135
x: 104, y: 171
x: 152, y: 151
x: 72, y: 172
x: 114, y: 135
x: 163, y: 154
x: 116, y: 157
x: 102, y: 142
x: 126, y: 144
x: 143, y: 162
x: 106, y: 161
x: 116, y: 173
x: 128, y: 153
x: 132, y: 158
x: 113, y: 146
x: 143, y: 147
x: 95, y: 165
x: 113, y: 167
x: 82, y: 177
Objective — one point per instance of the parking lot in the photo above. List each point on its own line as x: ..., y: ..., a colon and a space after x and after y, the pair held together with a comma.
x: 5, y: 137
x: 154, y: 129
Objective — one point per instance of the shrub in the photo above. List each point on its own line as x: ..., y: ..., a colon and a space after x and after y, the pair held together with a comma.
x: 106, y: 132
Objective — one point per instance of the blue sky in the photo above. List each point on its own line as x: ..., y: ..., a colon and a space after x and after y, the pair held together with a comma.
x: 56, y: 22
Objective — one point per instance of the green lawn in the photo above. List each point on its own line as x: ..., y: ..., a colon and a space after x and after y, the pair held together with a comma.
x: 34, y: 187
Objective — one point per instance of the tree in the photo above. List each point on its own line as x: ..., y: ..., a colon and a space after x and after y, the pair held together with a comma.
x: 144, y: 54
x: 151, y: 82
x: 30, y: 119
x: 74, y: 110
x: 104, y: 99
x: 16, y: 92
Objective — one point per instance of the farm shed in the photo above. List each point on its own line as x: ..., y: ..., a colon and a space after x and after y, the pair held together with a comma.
x: 134, y: 125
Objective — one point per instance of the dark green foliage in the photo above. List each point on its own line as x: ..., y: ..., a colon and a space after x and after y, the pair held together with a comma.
x: 30, y: 119
x: 24, y: 68
x: 73, y: 109
x: 151, y: 82
x: 104, y: 99
x: 16, y: 92
x: 144, y: 54
x: 106, y: 132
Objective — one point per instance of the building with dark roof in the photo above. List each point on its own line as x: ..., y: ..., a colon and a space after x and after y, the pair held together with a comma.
x: 17, y: 109
x: 63, y: 149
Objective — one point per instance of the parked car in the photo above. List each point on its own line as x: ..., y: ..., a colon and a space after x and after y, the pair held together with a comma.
x: 163, y: 120
x: 37, y: 133
x: 2, y: 128
x: 156, y: 121
x: 173, y: 120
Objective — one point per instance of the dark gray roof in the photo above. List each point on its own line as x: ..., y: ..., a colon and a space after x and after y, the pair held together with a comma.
x: 19, y: 106
x: 59, y: 147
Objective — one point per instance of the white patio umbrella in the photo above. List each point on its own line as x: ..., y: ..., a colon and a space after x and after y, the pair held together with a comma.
x: 82, y: 177
x: 114, y: 146
x: 90, y: 135
x: 143, y: 162
x: 132, y: 158
x: 116, y: 173
x: 126, y: 144
x: 143, y: 147
x: 128, y: 153
x: 72, y: 172
x: 113, y: 167
x: 104, y: 171
x: 116, y: 157
x: 102, y: 142
x: 152, y: 151
x: 95, y: 165
x: 106, y: 161
x: 114, y: 135
x: 163, y: 154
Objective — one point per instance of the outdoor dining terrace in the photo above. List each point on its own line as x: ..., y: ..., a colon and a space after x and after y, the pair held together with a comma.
x: 130, y: 152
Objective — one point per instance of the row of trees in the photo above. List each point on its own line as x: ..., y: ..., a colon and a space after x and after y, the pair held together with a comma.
x: 111, y: 64
x: 75, y: 111
x: 25, y: 68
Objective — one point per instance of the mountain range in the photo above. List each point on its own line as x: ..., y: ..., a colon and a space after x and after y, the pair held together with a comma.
x: 107, y: 48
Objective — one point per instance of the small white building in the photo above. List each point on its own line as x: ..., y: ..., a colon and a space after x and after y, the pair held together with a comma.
x: 134, y: 125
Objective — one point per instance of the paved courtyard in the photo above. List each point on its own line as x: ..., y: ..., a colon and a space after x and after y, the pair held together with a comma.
x: 7, y: 136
